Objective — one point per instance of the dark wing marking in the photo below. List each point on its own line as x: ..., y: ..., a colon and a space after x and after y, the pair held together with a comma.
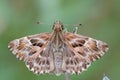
x: 32, y: 49
x: 81, y: 51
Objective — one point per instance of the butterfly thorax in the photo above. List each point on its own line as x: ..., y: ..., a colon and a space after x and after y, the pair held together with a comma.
x: 57, y: 34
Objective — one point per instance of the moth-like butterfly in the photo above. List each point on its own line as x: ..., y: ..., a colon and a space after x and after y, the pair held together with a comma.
x: 58, y: 51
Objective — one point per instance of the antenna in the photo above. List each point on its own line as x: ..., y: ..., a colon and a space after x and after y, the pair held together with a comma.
x: 75, y: 25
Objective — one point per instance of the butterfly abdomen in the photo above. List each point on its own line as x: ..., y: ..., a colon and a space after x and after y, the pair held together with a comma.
x: 58, y: 62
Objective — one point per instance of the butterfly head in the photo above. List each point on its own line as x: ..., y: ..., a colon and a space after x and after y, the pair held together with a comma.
x: 58, y: 26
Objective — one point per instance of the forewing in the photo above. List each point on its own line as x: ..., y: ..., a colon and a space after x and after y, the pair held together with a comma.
x: 84, y: 50
x: 32, y: 49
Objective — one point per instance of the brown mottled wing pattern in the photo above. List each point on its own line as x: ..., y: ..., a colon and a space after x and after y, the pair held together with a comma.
x: 81, y: 52
x: 32, y: 49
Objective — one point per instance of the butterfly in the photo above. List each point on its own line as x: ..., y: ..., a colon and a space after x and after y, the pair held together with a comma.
x: 58, y: 52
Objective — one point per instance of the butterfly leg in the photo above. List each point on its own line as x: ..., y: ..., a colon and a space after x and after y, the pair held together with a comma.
x: 67, y: 75
x: 65, y: 30
x: 75, y: 30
